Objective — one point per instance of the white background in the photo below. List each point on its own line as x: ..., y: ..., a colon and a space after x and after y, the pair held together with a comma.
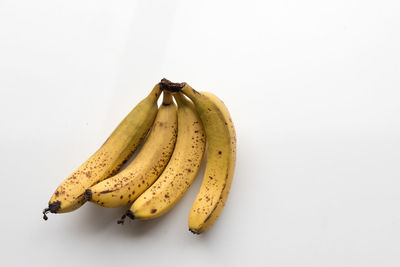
x: 313, y: 89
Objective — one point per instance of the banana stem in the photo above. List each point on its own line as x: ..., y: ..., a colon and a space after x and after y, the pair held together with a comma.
x: 167, y: 98
x: 170, y: 86
x: 181, y: 100
x: 189, y: 92
x: 167, y: 85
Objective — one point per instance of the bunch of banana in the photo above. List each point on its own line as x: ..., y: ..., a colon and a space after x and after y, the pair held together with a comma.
x: 168, y: 162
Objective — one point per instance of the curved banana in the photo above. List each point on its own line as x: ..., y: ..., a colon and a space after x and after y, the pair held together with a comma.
x: 122, y: 142
x: 140, y: 174
x: 181, y: 169
x: 221, y: 158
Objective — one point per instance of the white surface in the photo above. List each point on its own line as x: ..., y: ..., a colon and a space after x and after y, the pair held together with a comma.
x: 312, y: 86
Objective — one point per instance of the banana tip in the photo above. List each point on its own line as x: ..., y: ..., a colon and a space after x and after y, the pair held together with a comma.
x: 129, y: 214
x: 88, y: 194
x: 194, y: 231
x: 53, y: 208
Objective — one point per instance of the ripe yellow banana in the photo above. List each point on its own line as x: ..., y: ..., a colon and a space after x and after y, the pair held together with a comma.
x: 181, y: 169
x: 109, y: 158
x: 221, y: 158
x: 140, y: 174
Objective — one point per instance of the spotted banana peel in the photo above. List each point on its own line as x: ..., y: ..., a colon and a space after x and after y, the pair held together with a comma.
x: 126, y: 186
x: 109, y: 158
x: 221, y: 156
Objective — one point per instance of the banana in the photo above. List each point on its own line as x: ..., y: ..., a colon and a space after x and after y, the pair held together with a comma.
x: 106, y: 161
x: 221, y: 157
x: 181, y: 169
x: 140, y: 174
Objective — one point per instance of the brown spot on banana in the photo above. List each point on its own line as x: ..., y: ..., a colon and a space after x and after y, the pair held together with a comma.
x: 106, y: 191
